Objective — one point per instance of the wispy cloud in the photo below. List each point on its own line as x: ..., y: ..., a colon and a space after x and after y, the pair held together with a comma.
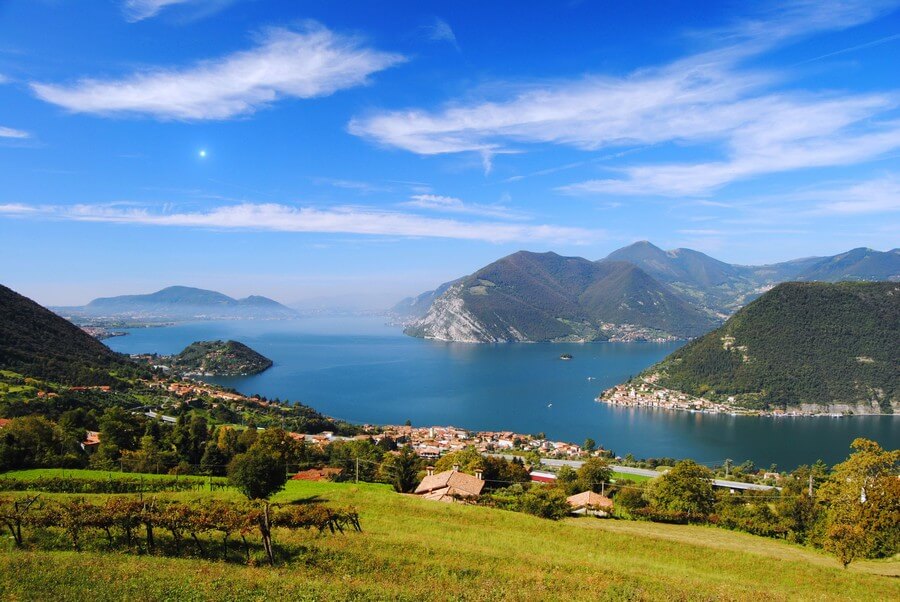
x: 359, y: 186
x: 440, y: 31
x: 6, y: 132
x: 879, y: 195
x: 286, y: 218
x: 138, y: 10
x: 285, y: 64
x: 874, y: 196
x: 448, y: 204
x: 709, y: 99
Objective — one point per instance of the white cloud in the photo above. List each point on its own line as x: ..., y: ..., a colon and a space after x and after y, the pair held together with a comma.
x: 285, y: 218
x: 286, y: 64
x: 708, y: 99
x: 448, y: 204
x: 6, y: 132
x: 17, y: 209
x: 138, y: 10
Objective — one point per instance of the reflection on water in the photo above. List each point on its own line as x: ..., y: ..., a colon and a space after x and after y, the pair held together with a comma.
x: 361, y: 370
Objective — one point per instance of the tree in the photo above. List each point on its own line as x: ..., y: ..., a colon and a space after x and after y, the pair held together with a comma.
x: 861, y: 498
x: 546, y: 502
x: 687, y: 487
x: 847, y: 542
x: 31, y: 442
x: 469, y: 460
x: 593, y: 475
x: 355, y: 455
x: 630, y: 497
x: 589, y: 445
x: 257, y: 473
x: 387, y: 443
x: 214, y: 460
x: 402, y: 469
x: 566, y: 479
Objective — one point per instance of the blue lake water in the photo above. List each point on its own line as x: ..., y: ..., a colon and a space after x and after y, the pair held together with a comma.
x: 360, y: 370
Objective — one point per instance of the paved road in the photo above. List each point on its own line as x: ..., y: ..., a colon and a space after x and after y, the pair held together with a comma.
x: 646, y: 472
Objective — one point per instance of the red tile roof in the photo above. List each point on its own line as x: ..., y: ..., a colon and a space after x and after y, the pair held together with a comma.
x: 450, y: 483
x: 589, y: 499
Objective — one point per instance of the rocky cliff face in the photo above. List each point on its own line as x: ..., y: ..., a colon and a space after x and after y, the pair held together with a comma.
x: 449, y: 319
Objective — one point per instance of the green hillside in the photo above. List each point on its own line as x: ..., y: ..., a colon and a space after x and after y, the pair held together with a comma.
x: 221, y: 358
x: 38, y: 343
x: 412, y: 549
x: 800, y: 343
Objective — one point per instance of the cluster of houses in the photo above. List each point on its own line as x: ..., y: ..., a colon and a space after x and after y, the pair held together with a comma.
x: 647, y: 394
x: 454, y: 486
x: 435, y: 441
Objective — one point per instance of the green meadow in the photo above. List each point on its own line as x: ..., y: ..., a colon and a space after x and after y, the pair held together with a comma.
x: 412, y: 549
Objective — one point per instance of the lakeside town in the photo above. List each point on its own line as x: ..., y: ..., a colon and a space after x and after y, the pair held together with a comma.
x: 645, y: 393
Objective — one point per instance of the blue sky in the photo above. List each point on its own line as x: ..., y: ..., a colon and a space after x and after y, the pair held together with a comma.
x: 329, y: 151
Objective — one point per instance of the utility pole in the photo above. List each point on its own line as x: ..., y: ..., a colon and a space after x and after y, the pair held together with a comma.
x: 810, y: 483
x: 357, y: 470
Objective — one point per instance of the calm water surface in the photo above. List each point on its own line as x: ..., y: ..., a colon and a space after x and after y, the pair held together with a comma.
x: 363, y: 371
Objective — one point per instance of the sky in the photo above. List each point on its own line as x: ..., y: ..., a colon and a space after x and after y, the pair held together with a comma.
x: 352, y: 153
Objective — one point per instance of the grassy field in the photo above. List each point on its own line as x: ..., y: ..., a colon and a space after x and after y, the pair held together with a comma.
x: 622, y: 476
x: 414, y: 549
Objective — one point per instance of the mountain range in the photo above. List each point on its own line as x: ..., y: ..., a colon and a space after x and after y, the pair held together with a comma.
x: 800, y: 344
x: 639, y: 292
x: 180, y: 303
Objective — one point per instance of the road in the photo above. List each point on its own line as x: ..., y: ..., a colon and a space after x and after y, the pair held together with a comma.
x: 646, y: 472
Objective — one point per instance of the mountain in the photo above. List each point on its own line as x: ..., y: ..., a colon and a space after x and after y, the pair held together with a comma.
x: 799, y: 345
x: 218, y: 358
x: 682, y: 292
x: 184, y: 302
x: 858, y: 264
x: 714, y: 285
x: 722, y: 288
x: 36, y: 342
x: 413, y: 308
x: 547, y: 297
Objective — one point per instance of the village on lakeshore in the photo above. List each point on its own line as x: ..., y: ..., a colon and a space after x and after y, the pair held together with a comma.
x: 645, y: 393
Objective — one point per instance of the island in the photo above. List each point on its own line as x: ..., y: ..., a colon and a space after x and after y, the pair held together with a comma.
x: 215, y: 358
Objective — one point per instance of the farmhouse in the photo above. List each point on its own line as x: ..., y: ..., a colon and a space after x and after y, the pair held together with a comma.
x: 450, y: 485
x: 588, y: 502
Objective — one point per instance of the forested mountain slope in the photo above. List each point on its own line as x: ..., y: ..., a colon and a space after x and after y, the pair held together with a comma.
x: 36, y: 342
x: 799, y: 344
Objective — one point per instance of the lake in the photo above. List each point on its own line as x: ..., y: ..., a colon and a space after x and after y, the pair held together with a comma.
x: 361, y: 370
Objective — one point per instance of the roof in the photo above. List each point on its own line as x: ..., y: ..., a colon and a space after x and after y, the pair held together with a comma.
x: 589, y: 499
x: 542, y: 477
x: 456, y: 484
x: 92, y: 438
x: 4, y: 422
